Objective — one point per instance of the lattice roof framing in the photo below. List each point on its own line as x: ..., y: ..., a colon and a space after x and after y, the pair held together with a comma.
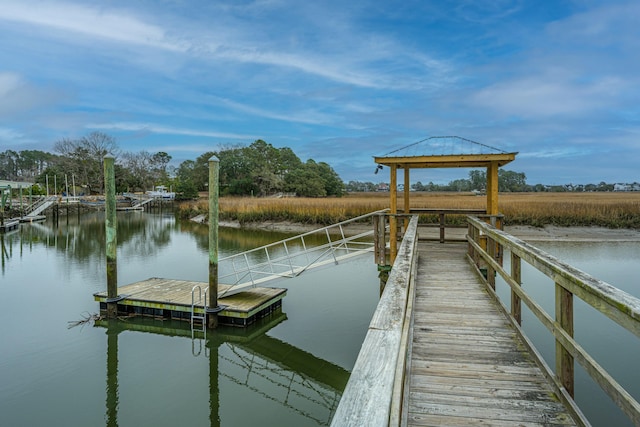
x: 445, y: 152
x: 441, y: 152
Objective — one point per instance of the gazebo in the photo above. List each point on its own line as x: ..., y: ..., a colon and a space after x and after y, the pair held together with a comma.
x: 442, y: 152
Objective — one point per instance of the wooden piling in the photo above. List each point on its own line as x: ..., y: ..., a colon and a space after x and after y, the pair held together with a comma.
x: 111, y: 235
x: 212, y: 314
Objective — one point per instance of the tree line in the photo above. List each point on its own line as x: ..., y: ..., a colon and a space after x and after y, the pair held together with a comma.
x: 508, y: 181
x: 259, y: 169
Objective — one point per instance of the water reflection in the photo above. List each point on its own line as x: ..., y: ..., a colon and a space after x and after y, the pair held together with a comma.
x: 82, y: 240
x: 291, y: 373
x: 265, y: 367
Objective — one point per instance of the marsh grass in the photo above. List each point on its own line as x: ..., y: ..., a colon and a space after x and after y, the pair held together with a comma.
x: 613, y: 210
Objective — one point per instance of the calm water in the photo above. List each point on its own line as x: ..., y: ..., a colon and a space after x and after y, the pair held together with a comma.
x: 289, y: 370
x: 617, y: 350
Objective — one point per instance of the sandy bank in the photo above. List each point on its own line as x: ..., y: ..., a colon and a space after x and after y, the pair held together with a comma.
x: 527, y: 233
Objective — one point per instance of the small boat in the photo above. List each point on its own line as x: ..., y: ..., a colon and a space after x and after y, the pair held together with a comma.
x: 160, y: 192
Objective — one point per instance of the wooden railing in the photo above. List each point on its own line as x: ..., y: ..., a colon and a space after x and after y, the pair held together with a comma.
x: 381, y: 227
x: 442, y: 214
x: 486, y: 248
x: 373, y: 396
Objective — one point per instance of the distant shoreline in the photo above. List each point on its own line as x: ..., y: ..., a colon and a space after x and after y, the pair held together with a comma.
x: 524, y: 232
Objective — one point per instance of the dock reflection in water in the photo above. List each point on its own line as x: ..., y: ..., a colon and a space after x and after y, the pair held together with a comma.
x: 285, y: 373
x: 264, y: 366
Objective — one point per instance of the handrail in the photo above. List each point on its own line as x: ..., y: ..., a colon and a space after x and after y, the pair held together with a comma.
x: 441, y: 223
x: 276, y: 260
x: 486, y: 242
x: 374, y: 394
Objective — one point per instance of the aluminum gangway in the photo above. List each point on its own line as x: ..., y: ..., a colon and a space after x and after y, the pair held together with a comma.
x: 293, y: 256
x: 40, y: 206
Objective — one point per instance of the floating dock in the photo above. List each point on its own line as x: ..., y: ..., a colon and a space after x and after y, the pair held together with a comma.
x: 9, y: 224
x: 172, y: 299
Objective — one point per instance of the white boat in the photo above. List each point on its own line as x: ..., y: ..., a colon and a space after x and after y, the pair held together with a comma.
x: 160, y: 192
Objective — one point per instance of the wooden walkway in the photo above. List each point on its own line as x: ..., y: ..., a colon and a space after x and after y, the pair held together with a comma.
x: 468, y: 366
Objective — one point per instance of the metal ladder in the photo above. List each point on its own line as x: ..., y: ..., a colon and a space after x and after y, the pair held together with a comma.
x: 198, y: 317
x: 201, y: 317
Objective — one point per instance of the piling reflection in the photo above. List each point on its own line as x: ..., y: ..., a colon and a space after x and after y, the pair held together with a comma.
x: 266, y: 367
x: 112, y: 374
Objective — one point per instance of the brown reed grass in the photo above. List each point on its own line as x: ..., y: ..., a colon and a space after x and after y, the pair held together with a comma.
x: 613, y: 210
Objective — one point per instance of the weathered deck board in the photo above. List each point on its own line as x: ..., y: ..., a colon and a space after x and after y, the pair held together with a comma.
x: 468, y: 366
x: 175, y: 295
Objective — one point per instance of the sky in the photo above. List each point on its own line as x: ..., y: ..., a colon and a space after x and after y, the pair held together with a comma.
x: 336, y: 81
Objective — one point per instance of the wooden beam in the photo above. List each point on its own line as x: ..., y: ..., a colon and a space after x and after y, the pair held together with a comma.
x: 407, y: 205
x: 393, y: 220
x: 448, y: 161
x: 492, y: 188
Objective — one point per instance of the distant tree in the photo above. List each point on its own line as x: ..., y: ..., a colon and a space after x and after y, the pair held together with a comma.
x: 141, y: 173
x: 511, y: 181
x: 357, y: 186
x: 160, y: 161
x: 83, y: 158
x: 305, y: 182
x: 478, y: 180
x: 460, y: 185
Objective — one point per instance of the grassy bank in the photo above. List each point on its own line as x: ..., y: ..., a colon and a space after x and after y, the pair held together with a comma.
x: 612, y: 210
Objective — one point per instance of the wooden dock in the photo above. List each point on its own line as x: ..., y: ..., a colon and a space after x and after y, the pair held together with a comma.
x: 467, y: 364
x: 171, y: 299
x: 9, y: 224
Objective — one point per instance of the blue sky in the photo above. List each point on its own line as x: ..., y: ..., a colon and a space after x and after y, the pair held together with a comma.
x: 336, y: 81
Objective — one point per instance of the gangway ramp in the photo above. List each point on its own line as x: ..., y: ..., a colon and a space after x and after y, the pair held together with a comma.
x: 40, y: 206
x: 291, y: 257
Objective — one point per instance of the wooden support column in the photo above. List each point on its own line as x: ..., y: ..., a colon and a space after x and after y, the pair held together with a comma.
x: 393, y: 219
x: 492, y: 189
x: 111, y: 236
x: 212, y: 310
x: 564, y: 318
x: 407, y: 205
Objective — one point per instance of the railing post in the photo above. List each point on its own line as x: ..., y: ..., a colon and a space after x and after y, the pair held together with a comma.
x: 564, y: 319
x: 482, y: 241
x: 491, y: 273
x: 516, y: 275
x: 441, y: 227
x: 471, y: 235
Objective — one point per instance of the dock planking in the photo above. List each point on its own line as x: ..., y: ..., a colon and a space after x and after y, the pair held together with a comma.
x: 468, y: 366
x: 171, y: 298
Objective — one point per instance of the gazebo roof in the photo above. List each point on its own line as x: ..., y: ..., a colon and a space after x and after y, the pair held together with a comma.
x: 445, y: 152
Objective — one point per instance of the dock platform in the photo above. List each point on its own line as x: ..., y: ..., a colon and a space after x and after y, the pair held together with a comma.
x: 9, y: 224
x: 171, y: 299
x: 468, y: 365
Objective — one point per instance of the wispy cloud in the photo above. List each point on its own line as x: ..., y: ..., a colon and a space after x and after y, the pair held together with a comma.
x: 96, y: 22
x: 165, y: 130
x: 338, y: 81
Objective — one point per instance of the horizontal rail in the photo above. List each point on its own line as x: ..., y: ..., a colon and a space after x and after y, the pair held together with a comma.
x: 616, y: 304
x: 374, y: 393
x: 338, y: 225
x: 292, y: 256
